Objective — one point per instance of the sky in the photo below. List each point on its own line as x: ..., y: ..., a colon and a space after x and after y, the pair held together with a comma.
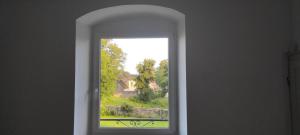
x: 138, y: 49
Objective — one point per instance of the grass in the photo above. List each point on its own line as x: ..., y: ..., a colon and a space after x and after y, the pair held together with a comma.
x: 118, y: 101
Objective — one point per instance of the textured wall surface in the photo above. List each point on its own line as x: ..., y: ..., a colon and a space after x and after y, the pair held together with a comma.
x: 296, y: 22
x: 236, y: 74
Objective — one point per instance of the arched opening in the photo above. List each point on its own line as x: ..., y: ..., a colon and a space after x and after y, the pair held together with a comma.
x: 85, y: 89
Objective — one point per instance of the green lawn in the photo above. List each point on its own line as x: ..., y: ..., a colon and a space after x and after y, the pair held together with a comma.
x: 118, y: 101
x: 125, y: 124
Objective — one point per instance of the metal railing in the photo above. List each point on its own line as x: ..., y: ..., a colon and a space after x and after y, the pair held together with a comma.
x: 134, y: 122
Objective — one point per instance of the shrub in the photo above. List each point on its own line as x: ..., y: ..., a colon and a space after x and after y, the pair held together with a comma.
x: 126, y: 108
x: 145, y: 95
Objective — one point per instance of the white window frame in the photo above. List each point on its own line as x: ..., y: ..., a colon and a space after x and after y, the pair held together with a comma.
x: 89, y: 31
x: 163, y: 32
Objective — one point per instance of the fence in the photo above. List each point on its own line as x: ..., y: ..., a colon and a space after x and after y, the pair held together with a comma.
x: 139, y: 112
x: 135, y: 122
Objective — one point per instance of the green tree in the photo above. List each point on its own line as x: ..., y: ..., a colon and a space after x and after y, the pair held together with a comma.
x: 146, y: 74
x: 161, y: 77
x: 112, y: 59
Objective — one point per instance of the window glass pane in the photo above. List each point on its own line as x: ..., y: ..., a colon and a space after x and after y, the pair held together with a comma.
x: 134, y: 83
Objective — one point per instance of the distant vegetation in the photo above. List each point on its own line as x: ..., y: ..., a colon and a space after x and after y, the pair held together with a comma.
x: 112, y: 59
x: 112, y: 62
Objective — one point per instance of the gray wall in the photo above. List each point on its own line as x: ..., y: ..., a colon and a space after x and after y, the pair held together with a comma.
x: 296, y: 22
x: 236, y: 74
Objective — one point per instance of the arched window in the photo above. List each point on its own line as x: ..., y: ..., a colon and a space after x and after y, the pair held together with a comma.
x: 128, y: 22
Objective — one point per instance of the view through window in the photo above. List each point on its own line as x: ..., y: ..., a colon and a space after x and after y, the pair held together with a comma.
x: 134, y: 83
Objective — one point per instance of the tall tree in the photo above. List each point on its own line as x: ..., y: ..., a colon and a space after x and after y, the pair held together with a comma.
x: 162, y: 78
x: 146, y: 74
x: 111, y: 65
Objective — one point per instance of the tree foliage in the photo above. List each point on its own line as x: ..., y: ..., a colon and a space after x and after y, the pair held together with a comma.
x: 161, y: 77
x: 146, y: 74
x: 112, y: 59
